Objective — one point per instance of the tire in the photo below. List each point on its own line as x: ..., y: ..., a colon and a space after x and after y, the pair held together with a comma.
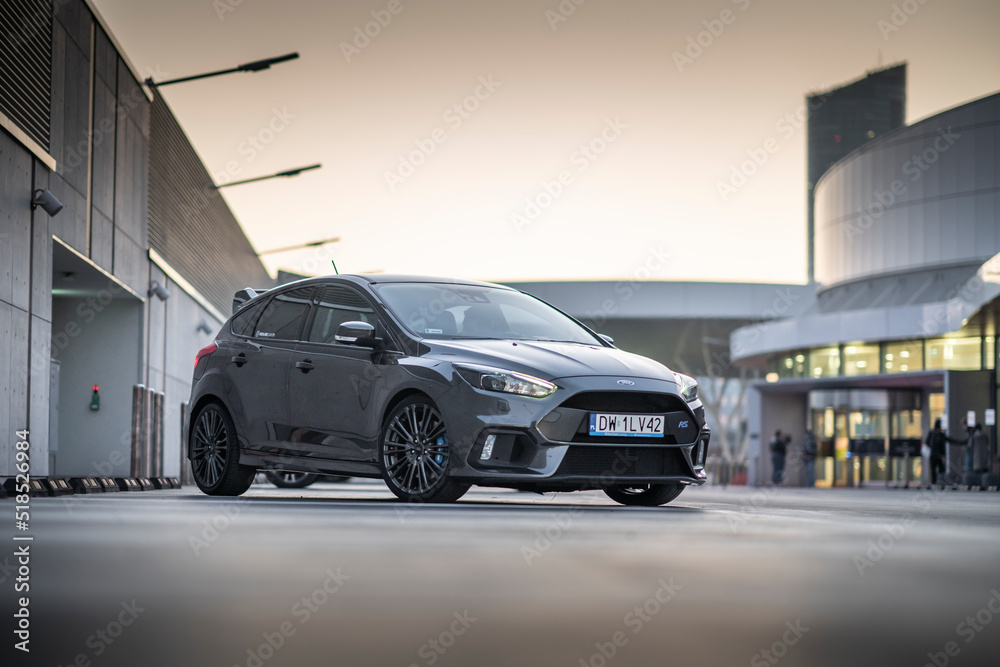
x: 415, y: 456
x: 647, y: 495
x: 290, y: 480
x: 215, y: 454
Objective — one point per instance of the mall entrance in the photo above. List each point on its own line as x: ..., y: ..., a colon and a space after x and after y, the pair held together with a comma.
x: 871, y: 436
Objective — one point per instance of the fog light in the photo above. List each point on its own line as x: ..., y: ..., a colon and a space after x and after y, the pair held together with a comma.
x: 488, y: 448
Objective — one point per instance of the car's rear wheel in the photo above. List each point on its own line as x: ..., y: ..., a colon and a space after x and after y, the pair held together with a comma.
x: 215, y: 454
x: 290, y: 480
x: 645, y: 495
x: 415, y: 454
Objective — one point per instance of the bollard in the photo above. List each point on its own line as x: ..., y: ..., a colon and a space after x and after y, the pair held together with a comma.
x: 138, y: 430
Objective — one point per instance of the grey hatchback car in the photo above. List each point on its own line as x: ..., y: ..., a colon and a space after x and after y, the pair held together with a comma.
x: 435, y: 385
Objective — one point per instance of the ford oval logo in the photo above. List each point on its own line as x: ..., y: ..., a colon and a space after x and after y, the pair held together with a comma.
x: 627, y: 383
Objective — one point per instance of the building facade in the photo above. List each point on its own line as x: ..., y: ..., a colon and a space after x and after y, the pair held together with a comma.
x: 844, y: 119
x: 902, y: 330
x: 124, y: 284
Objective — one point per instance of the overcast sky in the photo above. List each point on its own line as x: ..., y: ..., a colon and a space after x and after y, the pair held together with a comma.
x: 585, y: 144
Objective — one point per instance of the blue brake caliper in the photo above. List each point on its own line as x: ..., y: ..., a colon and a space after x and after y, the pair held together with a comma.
x: 439, y: 458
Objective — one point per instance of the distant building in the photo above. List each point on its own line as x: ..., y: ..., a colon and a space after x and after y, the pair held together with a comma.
x: 902, y: 329
x: 844, y: 119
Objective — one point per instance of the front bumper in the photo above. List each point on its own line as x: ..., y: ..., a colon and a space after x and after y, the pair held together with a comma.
x: 544, y: 444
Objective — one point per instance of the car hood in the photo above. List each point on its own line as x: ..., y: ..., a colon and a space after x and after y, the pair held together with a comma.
x: 550, y: 360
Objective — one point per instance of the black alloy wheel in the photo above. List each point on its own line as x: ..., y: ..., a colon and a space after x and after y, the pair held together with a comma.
x: 215, y: 454
x: 644, y: 495
x: 416, y: 455
x: 290, y: 480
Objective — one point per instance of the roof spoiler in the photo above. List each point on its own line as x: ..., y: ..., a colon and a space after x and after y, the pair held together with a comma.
x: 245, y: 295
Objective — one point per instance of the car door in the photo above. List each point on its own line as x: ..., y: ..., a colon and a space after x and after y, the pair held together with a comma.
x: 331, y: 385
x: 258, y: 365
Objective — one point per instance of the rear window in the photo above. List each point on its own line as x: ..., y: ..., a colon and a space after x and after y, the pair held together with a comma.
x: 284, y: 315
x: 243, y: 322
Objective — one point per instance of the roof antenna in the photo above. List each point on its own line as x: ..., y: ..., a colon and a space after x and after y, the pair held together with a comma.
x: 335, y: 267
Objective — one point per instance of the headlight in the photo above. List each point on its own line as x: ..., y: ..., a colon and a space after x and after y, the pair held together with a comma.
x: 689, y: 387
x: 495, y: 379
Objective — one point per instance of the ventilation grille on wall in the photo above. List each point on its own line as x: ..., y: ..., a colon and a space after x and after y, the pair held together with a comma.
x: 26, y: 66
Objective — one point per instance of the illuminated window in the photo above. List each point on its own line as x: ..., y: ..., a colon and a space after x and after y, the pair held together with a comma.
x: 957, y: 354
x: 861, y: 359
x: 903, y: 357
x: 825, y: 362
x: 792, y: 366
x: 990, y: 352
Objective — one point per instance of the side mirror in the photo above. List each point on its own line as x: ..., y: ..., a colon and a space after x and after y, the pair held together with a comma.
x: 607, y: 339
x: 361, y: 334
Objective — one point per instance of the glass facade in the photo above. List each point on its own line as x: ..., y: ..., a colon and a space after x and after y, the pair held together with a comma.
x: 971, y: 353
x: 959, y: 354
x: 824, y: 362
x: 861, y: 359
x: 902, y: 357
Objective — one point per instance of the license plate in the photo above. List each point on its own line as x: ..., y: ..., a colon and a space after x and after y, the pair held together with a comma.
x: 636, y: 426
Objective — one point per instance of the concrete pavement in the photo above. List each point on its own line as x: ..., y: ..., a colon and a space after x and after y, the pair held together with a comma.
x: 344, y: 574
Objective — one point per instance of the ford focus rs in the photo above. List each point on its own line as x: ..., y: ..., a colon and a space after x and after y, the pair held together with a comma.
x: 436, y: 385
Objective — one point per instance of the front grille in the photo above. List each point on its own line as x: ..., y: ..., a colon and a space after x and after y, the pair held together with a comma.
x: 626, y: 401
x: 604, y: 462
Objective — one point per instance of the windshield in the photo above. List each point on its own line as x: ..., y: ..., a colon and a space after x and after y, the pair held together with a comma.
x: 436, y: 310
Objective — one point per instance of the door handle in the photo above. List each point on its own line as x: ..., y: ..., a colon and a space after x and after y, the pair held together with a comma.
x: 305, y: 366
x: 239, y: 359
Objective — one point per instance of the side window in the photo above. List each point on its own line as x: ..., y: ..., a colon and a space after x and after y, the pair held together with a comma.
x: 242, y: 323
x: 338, y: 304
x: 284, y: 314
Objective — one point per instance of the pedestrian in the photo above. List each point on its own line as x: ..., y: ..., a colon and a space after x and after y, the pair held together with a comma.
x: 779, y: 447
x: 979, y: 450
x: 809, y: 450
x: 936, y: 440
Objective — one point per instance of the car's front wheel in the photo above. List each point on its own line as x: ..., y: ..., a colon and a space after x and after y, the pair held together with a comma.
x: 215, y: 454
x: 647, y: 495
x: 415, y: 454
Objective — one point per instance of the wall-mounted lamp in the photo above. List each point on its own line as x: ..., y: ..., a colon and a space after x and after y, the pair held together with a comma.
x: 159, y: 290
x: 204, y: 328
x: 47, y: 201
